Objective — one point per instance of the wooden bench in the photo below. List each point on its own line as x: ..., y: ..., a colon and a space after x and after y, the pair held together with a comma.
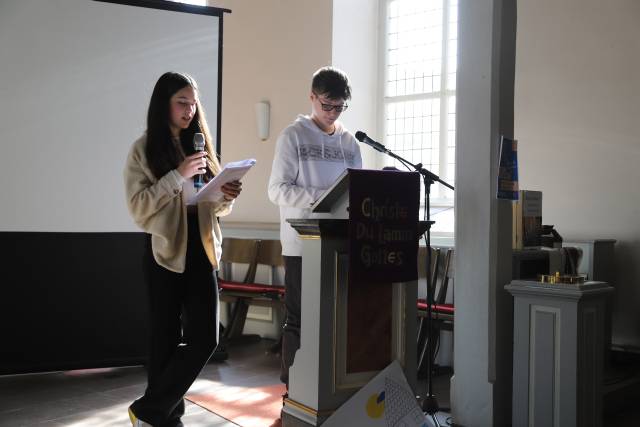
x: 242, y: 294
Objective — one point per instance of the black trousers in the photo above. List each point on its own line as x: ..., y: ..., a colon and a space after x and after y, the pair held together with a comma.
x: 292, y: 303
x: 184, y: 317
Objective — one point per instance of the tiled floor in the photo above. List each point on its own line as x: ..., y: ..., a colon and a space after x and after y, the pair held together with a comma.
x: 100, y: 397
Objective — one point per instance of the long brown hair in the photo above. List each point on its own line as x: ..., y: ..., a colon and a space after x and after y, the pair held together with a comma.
x: 160, y: 151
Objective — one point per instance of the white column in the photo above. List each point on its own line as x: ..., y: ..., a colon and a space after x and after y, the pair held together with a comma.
x: 481, y: 386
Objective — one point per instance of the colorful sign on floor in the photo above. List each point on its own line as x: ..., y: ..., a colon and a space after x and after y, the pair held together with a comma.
x: 387, y: 400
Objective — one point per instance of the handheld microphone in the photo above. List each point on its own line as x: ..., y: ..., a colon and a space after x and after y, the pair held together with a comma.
x: 198, y: 146
x: 362, y: 137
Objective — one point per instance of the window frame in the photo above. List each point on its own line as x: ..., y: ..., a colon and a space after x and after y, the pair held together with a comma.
x: 437, y: 201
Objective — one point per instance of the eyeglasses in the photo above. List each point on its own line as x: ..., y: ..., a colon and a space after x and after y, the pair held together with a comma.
x: 328, y: 107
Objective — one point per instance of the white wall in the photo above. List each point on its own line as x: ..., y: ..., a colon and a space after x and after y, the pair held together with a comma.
x: 577, y: 119
x: 356, y: 52
x: 271, y: 49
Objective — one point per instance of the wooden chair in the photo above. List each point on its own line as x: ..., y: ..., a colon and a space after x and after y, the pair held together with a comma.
x: 442, y: 313
x: 242, y: 294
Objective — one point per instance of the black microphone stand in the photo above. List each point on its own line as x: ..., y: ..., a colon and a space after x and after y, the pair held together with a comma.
x: 430, y: 403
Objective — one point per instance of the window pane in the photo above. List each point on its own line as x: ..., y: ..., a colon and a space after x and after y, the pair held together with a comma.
x: 412, y: 130
x: 444, y: 219
x: 414, y: 46
x: 451, y: 81
x: 452, y: 45
x: 419, y: 92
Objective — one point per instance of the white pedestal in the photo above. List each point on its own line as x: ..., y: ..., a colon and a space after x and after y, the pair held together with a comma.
x: 558, y: 353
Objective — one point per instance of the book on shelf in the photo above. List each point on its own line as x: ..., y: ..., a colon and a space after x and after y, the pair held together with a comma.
x: 527, y: 219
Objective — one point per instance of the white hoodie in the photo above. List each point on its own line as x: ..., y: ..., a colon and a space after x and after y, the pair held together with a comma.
x: 307, y: 161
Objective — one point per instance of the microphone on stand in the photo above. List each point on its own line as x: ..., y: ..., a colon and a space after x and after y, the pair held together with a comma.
x: 362, y: 137
x: 198, y: 146
x: 430, y: 403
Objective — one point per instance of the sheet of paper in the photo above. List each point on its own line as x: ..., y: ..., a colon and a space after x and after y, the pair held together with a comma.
x: 232, y: 171
x: 387, y: 400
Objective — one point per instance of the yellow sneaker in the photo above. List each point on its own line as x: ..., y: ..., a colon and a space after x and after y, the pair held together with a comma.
x: 135, y: 422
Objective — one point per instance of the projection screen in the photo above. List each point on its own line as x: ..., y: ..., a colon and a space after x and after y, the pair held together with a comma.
x: 76, y: 78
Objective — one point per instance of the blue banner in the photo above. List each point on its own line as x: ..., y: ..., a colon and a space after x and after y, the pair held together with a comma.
x: 508, y: 170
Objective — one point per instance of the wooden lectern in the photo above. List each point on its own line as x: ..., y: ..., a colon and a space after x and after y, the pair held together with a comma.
x: 359, y: 290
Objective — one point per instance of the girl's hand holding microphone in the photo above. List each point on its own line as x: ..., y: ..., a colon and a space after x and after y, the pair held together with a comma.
x: 195, y: 164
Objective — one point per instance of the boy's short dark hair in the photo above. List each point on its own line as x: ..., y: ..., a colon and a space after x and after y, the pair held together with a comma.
x: 332, y: 83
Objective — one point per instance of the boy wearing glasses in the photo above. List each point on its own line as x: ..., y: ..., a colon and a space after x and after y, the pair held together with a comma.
x: 310, y: 155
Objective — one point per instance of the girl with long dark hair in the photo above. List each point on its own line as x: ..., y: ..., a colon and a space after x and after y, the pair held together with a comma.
x: 183, y: 246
